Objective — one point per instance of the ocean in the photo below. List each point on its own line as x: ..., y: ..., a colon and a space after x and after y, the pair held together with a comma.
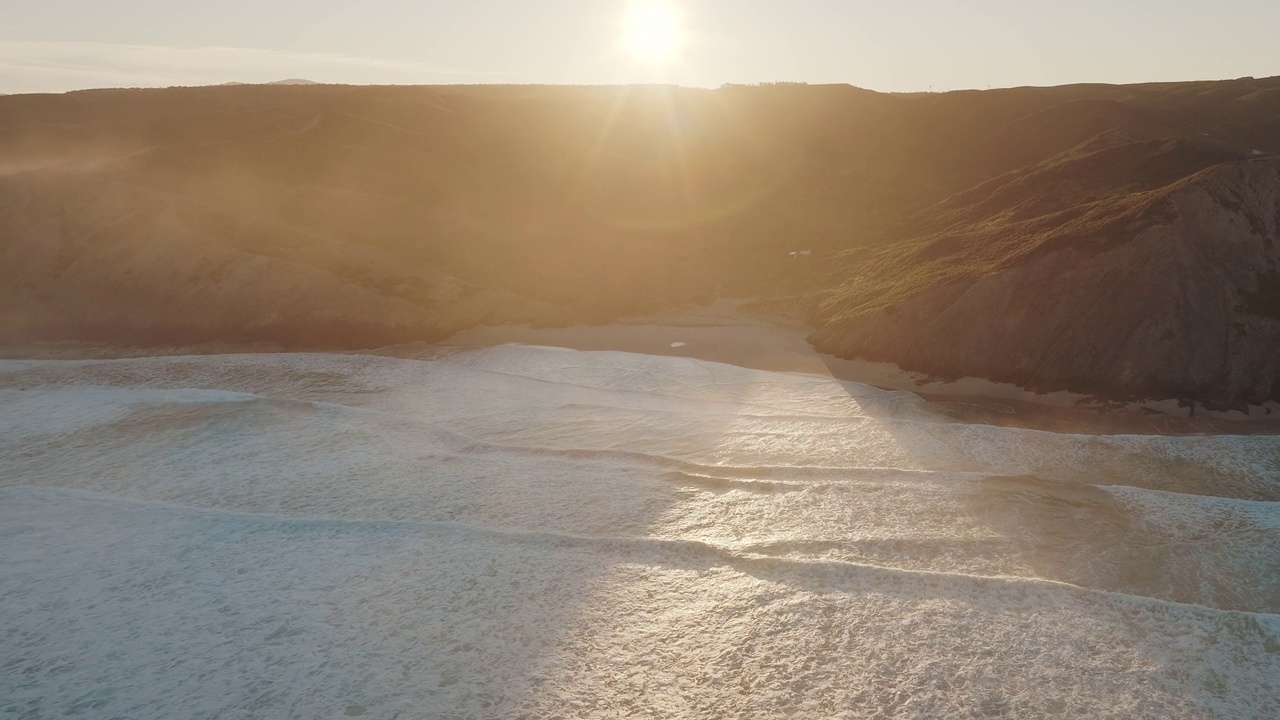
x: 522, y: 531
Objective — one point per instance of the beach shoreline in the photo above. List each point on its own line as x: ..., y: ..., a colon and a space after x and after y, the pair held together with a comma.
x: 724, y: 332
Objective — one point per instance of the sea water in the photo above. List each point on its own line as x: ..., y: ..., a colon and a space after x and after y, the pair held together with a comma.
x: 536, y: 532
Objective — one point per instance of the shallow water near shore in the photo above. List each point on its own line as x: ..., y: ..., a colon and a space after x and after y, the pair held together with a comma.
x: 546, y: 532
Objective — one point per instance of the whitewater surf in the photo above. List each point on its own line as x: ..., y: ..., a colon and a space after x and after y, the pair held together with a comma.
x: 539, y: 532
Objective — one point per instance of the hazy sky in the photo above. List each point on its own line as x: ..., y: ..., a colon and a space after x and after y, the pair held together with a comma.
x: 56, y: 45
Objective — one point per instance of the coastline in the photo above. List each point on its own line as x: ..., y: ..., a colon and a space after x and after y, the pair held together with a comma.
x: 724, y: 332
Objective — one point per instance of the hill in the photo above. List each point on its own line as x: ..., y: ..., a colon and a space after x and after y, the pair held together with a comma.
x: 1071, y: 237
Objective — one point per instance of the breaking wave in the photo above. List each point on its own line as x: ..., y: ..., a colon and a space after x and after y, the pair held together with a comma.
x: 544, y: 532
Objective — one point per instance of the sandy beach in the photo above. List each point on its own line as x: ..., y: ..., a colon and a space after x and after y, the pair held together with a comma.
x: 726, y: 331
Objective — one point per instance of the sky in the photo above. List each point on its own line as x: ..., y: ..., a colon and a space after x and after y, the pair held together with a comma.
x: 59, y: 45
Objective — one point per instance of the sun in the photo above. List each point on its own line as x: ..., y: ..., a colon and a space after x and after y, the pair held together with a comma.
x: 652, y: 30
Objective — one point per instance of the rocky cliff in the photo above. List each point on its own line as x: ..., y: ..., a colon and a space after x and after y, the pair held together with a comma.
x: 1182, y: 302
x: 1117, y: 240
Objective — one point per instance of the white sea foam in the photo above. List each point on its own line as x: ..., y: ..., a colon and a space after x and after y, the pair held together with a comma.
x: 553, y: 533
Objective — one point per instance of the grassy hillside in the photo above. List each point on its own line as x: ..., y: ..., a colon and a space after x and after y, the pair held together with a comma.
x: 413, y: 211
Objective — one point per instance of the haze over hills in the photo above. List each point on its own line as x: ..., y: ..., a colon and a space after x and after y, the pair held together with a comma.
x: 286, y: 81
x: 1119, y: 240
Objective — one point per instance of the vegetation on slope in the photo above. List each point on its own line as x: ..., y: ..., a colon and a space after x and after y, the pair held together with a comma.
x: 356, y: 215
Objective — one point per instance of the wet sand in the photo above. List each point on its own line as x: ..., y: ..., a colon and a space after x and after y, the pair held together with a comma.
x: 727, y: 332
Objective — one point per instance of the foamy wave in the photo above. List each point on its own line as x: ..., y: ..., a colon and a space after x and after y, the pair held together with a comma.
x: 318, y: 617
x: 514, y: 530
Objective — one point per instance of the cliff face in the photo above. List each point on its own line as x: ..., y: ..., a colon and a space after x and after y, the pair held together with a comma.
x: 1185, y: 308
x: 1117, y: 240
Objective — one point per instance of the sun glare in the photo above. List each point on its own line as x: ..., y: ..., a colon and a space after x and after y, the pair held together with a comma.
x: 652, y: 30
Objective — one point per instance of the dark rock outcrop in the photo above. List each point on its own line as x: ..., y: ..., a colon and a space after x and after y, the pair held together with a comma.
x: 1185, y: 308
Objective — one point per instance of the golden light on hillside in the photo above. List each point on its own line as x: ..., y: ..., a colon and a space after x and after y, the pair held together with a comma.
x: 652, y: 30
